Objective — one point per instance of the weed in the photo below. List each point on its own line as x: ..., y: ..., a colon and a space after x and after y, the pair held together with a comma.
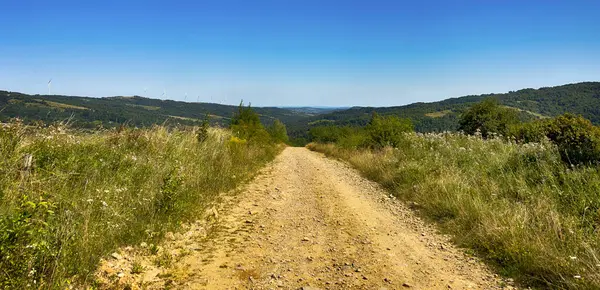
x: 137, y: 268
x: 164, y: 260
x: 153, y: 249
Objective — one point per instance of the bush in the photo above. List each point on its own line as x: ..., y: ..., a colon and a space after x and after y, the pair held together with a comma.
x: 278, y: 132
x: 246, y: 125
x: 385, y: 131
x: 577, y: 139
x: 202, y: 133
x: 531, y: 132
x: 347, y: 137
x: 488, y: 118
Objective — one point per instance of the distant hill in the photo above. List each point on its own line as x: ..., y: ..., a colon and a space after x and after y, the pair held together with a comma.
x: 137, y: 111
x: 580, y: 98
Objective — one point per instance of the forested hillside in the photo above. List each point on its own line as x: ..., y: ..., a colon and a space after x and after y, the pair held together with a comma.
x: 581, y: 98
x: 137, y: 111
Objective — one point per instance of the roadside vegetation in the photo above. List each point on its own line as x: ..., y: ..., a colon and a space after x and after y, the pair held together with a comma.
x: 526, y: 196
x: 70, y: 197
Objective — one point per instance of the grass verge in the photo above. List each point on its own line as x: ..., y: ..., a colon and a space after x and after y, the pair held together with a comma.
x: 68, y: 197
x: 519, y: 206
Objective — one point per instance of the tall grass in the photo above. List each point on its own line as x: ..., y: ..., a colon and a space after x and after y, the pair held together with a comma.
x: 519, y: 206
x: 86, y: 194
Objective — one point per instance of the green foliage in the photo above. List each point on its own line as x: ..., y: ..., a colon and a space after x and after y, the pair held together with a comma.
x: 278, y: 132
x: 385, y: 131
x: 577, y: 139
x: 328, y: 134
x: 88, y: 193
x: 137, y: 267
x: 94, y: 113
x: 487, y: 118
x: 381, y: 131
x: 581, y: 98
x: 529, y: 132
x: 202, y: 133
x: 27, y: 235
x: 246, y: 125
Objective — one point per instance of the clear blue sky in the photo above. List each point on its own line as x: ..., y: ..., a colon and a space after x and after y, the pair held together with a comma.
x: 297, y: 52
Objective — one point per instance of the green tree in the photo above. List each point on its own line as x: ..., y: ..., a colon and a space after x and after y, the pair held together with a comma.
x: 488, y: 117
x: 278, y: 132
x: 386, y: 130
x: 246, y: 125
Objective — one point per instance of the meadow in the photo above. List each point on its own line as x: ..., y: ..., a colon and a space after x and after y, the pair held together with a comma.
x: 518, y: 205
x: 70, y: 197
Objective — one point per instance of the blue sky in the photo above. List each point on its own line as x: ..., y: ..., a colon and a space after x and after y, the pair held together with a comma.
x: 297, y: 52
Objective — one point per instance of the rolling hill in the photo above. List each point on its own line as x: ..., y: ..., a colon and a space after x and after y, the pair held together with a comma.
x: 137, y: 111
x: 580, y: 98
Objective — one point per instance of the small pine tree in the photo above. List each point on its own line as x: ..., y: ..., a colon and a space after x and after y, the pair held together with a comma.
x: 202, y: 134
x: 278, y: 132
x: 246, y: 125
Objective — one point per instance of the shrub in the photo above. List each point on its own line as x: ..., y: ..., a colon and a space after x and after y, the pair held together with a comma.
x: 488, y: 118
x: 278, y: 132
x: 202, y: 132
x: 346, y: 136
x: 385, y: 131
x: 577, y: 139
x: 530, y: 132
x: 246, y: 125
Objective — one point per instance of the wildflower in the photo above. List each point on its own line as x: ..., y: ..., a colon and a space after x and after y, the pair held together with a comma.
x: 104, y: 204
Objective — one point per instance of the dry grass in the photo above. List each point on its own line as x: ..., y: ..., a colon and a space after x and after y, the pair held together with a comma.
x: 61, y: 105
x: 438, y: 114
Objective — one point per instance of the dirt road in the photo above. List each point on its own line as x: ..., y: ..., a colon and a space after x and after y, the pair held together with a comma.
x: 308, y: 221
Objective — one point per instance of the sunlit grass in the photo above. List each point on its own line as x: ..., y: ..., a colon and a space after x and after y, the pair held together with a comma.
x: 88, y: 193
x: 519, y: 206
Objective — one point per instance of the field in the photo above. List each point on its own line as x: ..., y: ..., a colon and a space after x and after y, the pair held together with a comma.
x: 517, y: 205
x: 71, y: 197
